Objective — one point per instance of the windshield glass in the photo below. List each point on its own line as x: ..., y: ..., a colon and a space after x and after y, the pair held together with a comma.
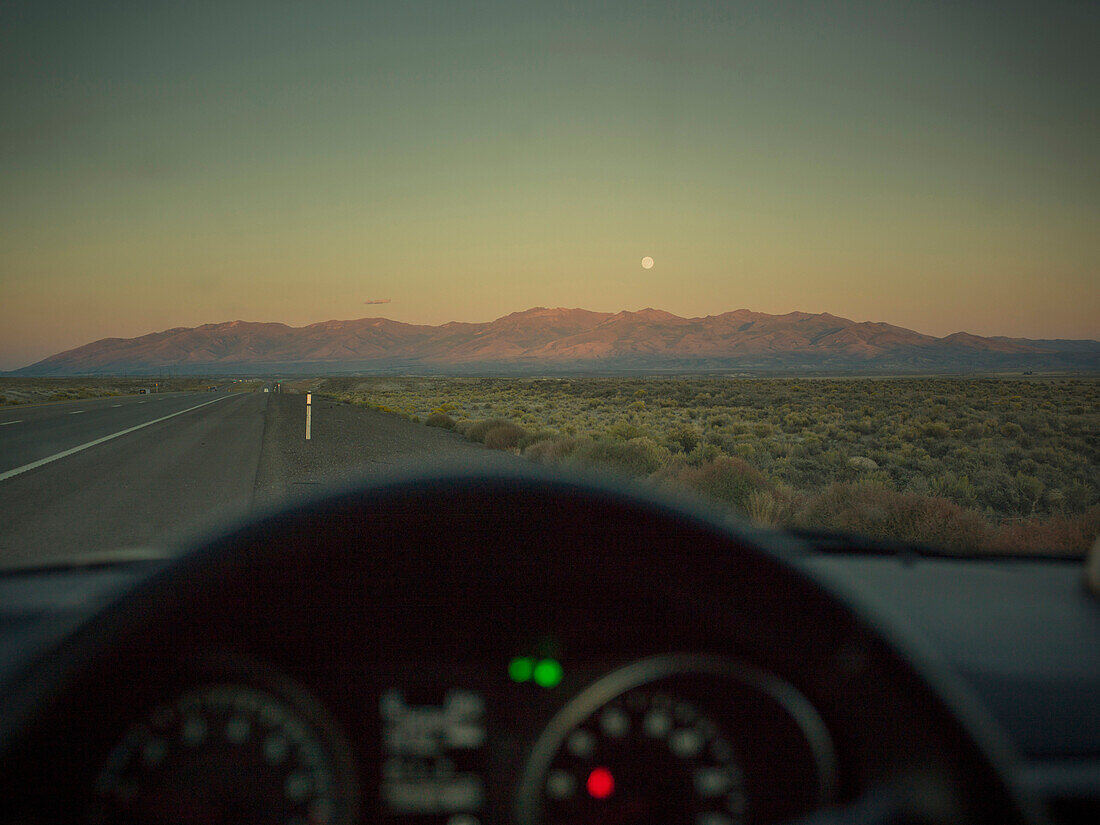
x: 829, y: 267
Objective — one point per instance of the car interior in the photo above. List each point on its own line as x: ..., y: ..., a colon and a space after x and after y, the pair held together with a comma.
x: 536, y: 647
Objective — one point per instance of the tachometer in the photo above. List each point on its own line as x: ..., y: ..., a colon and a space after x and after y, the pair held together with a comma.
x: 679, y: 739
x: 226, y: 752
x: 646, y: 756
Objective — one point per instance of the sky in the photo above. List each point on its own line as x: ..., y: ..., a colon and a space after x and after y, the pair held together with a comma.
x: 931, y: 165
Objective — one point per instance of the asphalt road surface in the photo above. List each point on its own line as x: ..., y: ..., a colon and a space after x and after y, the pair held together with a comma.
x: 140, y: 471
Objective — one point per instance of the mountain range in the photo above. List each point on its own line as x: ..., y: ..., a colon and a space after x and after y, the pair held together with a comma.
x: 542, y: 340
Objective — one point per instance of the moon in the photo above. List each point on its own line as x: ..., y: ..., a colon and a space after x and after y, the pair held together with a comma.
x: 647, y: 262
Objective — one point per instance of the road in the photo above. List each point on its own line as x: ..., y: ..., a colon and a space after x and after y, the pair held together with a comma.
x: 141, y: 471
x: 124, y: 472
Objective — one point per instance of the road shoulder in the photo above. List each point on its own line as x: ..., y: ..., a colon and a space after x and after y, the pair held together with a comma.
x: 349, y: 443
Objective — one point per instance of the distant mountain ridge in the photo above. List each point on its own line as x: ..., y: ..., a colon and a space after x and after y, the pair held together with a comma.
x: 559, y: 339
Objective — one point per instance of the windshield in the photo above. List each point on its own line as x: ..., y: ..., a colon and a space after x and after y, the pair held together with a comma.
x: 828, y: 267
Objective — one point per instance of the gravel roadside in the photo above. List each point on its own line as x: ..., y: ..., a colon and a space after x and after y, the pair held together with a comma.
x: 347, y: 443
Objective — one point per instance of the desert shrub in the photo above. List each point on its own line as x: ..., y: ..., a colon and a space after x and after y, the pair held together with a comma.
x: 625, y: 431
x: 1054, y: 501
x: 534, y: 438
x: 702, y: 453
x: 504, y: 436
x: 769, y: 508
x: 635, y: 458
x: 725, y: 443
x: 1078, y: 496
x: 1061, y: 535
x: 954, y: 488
x: 743, y: 450
x: 477, y: 429
x: 549, y: 451
x: 656, y: 455
x: 683, y: 438
x: 440, y: 419
x: 936, y: 429
x: 883, y: 513
x: 1030, y: 491
x: 727, y: 480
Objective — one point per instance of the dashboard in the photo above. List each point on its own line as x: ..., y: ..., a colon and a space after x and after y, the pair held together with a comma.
x: 528, y: 648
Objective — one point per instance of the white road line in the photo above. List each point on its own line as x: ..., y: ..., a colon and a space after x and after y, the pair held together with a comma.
x: 76, y: 412
x: 115, y: 405
x: 6, y: 423
x: 65, y: 453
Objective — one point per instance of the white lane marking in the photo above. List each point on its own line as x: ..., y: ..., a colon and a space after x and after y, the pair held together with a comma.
x: 115, y: 405
x: 65, y: 453
x: 6, y: 423
x: 76, y: 412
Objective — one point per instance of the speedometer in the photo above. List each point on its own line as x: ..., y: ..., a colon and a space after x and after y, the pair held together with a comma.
x: 226, y: 752
x: 679, y: 739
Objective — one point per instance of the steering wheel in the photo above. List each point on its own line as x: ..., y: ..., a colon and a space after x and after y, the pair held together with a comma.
x: 436, y: 570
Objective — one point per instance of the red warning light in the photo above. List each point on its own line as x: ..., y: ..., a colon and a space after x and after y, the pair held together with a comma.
x: 601, y: 784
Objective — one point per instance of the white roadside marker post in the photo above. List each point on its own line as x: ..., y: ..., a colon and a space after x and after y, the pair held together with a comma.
x: 309, y: 413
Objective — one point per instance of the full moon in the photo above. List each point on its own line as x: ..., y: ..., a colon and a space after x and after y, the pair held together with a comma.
x: 647, y: 262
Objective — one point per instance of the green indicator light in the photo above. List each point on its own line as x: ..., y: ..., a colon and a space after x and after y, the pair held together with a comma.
x: 547, y: 673
x: 521, y: 669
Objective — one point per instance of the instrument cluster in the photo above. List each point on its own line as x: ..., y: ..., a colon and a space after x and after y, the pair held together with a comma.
x: 677, y: 738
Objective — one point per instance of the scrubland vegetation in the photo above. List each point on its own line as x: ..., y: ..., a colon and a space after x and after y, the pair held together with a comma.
x: 996, y: 465
x: 39, y: 390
